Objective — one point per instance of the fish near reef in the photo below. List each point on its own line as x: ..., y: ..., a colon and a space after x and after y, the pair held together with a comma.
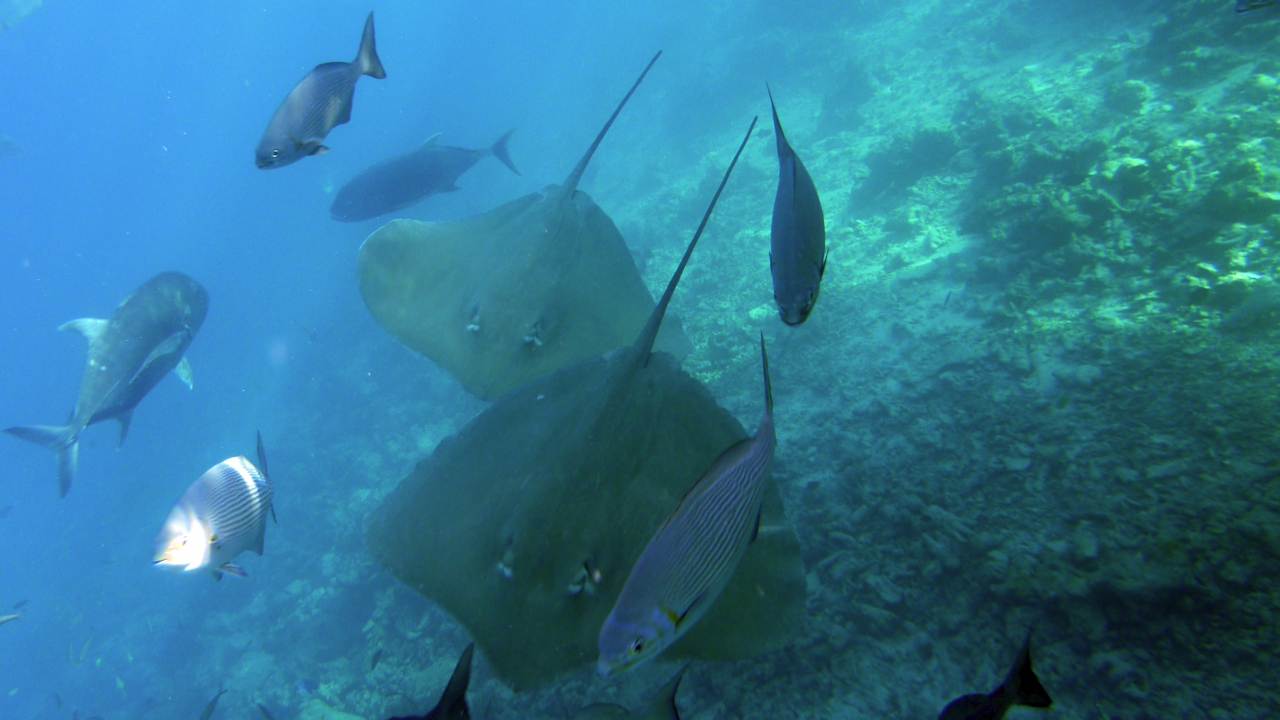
x: 222, y: 514
x: 453, y: 701
x: 129, y: 353
x: 212, y: 704
x: 662, y: 706
x: 798, y: 236
x: 688, y: 563
x: 1020, y: 687
x: 406, y: 179
x: 317, y: 104
x: 1247, y: 5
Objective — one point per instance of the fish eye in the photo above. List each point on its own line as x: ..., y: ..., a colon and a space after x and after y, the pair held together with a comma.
x: 275, y: 153
x: 637, y: 646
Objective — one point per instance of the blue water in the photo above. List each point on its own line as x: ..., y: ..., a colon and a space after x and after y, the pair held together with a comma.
x: 137, y: 123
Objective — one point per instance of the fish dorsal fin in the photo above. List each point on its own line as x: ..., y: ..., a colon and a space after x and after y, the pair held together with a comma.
x: 429, y: 141
x: 455, y: 692
x: 183, y: 371
x: 644, y: 343
x: 571, y: 182
x: 663, y: 704
x: 91, y: 328
x: 262, y: 458
x: 777, y: 125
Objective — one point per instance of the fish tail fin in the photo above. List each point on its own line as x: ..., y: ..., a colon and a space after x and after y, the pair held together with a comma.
x: 499, y: 151
x: 63, y: 440
x: 367, y: 59
x: 455, y: 693
x: 1022, y: 686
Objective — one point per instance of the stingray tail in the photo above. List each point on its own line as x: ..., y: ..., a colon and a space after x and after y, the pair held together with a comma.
x: 367, y: 59
x: 63, y: 440
x: 499, y: 151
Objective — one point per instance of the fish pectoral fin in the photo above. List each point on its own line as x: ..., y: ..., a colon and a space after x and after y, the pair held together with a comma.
x: 430, y: 141
x: 165, y: 348
x: 234, y: 569
x: 320, y: 150
x: 755, y: 532
x: 452, y: 188
x: 217, y: 574
x: 183, y: 371
x: 823, y: 269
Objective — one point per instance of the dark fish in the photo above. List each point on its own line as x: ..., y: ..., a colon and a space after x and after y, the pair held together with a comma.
x: 373, y: 663
x: 406, y: 179
x: 264, y: 712
x: 317, y: 104
x: 453, y: 702
x: 1247, y: 5
x: 662, y: 706
x: 798, y: 238
x: 212, y: 705
x: 688, y: 563
x: 129, y: 353
x: 1020, y: 687
x: 222, y: 514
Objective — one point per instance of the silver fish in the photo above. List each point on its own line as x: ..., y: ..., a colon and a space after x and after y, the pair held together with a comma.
x: 317, y: 104
x: 221, y: 515
x: 689, y: 561
x: 798, y: 237
x: 129, y: 353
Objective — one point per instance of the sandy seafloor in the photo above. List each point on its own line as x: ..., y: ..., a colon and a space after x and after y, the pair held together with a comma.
x: 1039, y: 387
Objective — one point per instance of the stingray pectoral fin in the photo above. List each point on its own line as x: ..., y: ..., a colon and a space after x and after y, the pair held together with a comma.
x: 183, y: 371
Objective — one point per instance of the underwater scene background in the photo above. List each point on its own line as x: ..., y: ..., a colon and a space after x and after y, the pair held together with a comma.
x: 1038, y: 388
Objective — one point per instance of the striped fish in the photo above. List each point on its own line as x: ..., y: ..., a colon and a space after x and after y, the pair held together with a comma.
x: 319, y: 102
x: 689, y: 561
x: 221, y: 515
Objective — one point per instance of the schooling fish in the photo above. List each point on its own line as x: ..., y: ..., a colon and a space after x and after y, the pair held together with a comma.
x: 213, y: 704
x: 406, y: 179
x: 1020, y: 687
x: 320, y: 102
x: 798, y: 238
x: 453, y: 702
x: 689, y: 561
x: 129, y: 353
x: 662, y: 706
x: 1247, y: 5
x: 221, y: 515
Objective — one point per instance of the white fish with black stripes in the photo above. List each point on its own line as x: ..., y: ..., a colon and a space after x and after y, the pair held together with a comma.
x: 221, y: 515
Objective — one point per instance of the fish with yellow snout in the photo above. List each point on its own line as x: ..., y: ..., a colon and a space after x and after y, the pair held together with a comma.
x: 222, y: 514
x: 687, y: 564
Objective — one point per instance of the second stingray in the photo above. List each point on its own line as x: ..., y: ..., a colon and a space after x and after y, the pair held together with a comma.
x: 512, y: 294
x: 525, y: 524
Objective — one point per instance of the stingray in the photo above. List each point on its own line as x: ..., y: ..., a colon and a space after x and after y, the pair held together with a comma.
x: 503, y: 297
x: 525, y: 524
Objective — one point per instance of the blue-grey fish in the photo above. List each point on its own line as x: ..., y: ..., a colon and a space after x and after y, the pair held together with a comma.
x: 689, y: 561
x: 662, y: 706
x: 129, y: 353
x: 453, y: 701
x: 221, y: 515
x: 212, y: 704
x: 317, y: 104
x: 798, y: 237
x: 406, y: 179
x: 1020, y: 687
x: 1247, y: 5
